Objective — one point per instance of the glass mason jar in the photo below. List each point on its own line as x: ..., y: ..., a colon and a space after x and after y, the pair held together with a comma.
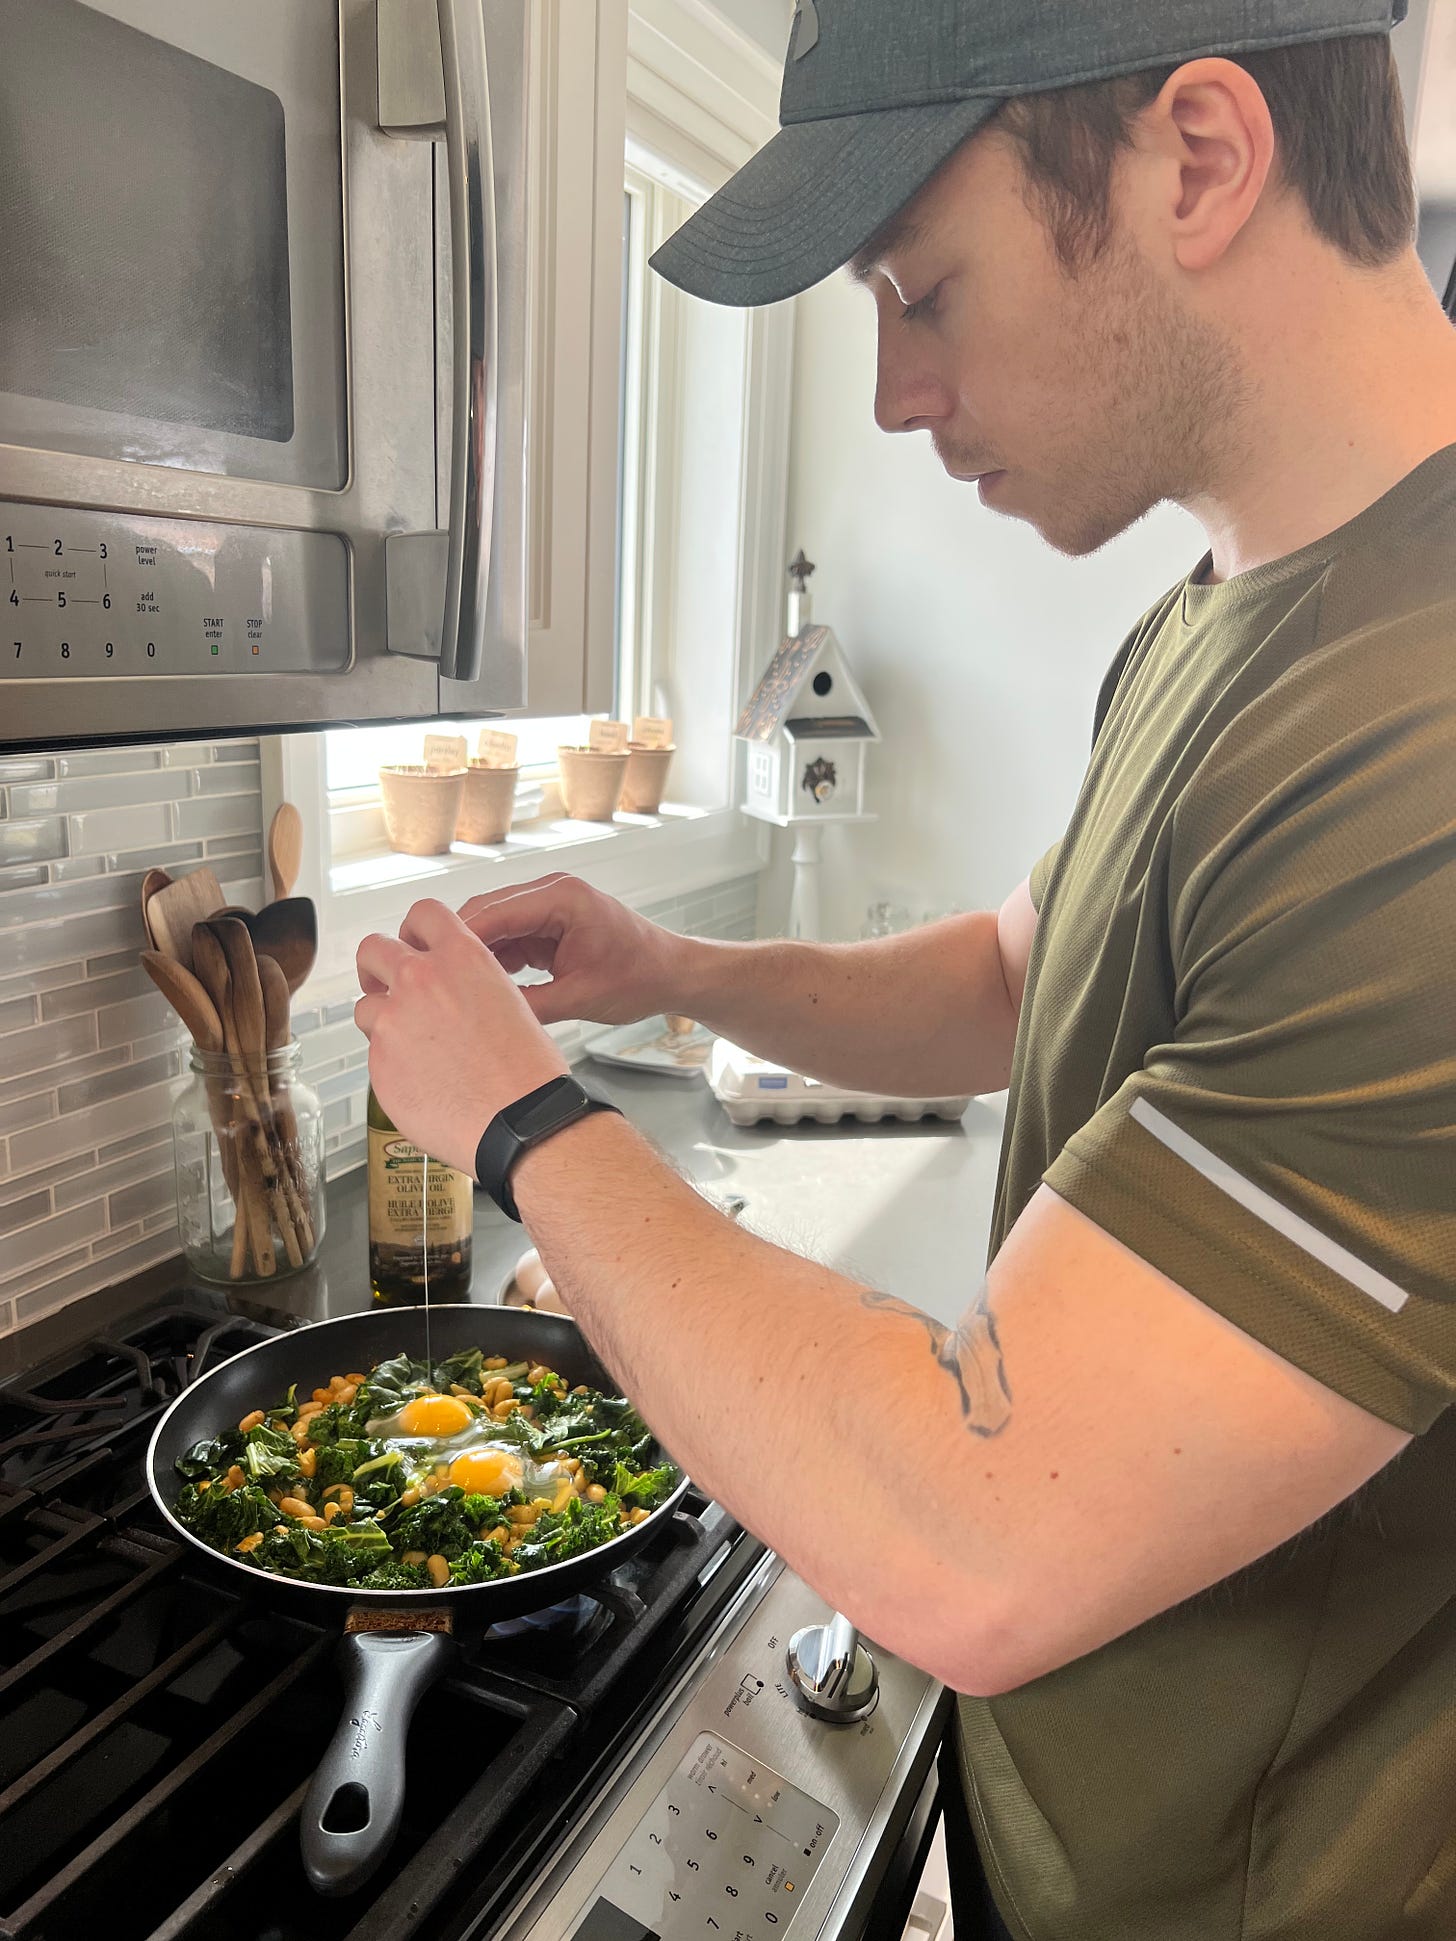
x: 248, y: 1139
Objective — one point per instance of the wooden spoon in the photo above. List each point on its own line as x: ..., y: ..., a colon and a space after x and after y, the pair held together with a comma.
x: 280, y: 1033
x: 251, y: 1021
x: 260, y: 1193
x: 173, y: 911
x: 188, y: 998
x: 153, y: 883
x: 287, y: 932
x: 285, y: 848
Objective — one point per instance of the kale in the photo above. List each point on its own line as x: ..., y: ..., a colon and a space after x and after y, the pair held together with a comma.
x: 337, y: 1461
x: 382, y: 1480
x: 438, y: 1525
x: 212, y: 1458
x: 346, y: 1553
x: 566, y: 1533
x: 480, y: 1563
x: 223, y: 1517
x: 270, y: 1455
x: 339, y: 1422
x: 286, y: 1411
x: 392, y: 1384
x: 463, y: 1368
x: 395, y: 1576
x: 482, y: 1511
x: 646, y: 1489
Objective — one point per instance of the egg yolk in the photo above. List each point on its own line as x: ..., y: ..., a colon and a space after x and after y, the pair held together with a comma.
x: 486, y: 1472
x: 434, y: 1415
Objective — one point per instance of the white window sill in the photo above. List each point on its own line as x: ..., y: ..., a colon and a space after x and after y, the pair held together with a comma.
x: 638, y: 859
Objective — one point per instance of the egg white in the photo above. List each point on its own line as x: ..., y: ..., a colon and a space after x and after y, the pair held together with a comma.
x: 421, y: 1453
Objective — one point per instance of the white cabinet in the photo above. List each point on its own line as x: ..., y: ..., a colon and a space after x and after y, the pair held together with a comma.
x: 577, y: 138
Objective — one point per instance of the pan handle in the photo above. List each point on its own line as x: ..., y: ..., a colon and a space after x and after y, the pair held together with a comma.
x: 353, y: 1807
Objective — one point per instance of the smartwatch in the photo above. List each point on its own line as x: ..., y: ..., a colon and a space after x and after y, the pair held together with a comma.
x: 516, y: 1127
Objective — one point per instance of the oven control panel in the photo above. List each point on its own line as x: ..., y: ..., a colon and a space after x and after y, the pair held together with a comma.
x: 98, y: 595
x: 739, y: 1817
x: 725, y: 1848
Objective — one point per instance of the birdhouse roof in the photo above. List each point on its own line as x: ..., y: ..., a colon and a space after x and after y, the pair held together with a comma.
x: 784, y: 699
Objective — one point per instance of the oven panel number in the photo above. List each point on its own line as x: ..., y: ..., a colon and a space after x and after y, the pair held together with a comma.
x: 724, y: 1853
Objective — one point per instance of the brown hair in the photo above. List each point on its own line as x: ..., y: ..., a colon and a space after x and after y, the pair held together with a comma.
x: 1339, y: 126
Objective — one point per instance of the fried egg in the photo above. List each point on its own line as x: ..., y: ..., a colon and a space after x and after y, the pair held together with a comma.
x: 434, y: 1429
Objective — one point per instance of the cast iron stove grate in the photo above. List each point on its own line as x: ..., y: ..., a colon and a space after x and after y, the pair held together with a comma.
x: 158, y: 1732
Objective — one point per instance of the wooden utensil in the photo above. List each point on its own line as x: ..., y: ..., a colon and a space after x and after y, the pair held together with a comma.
x: 188, y: 998
x: 279, y: 1023
x: 285, y: 849
x: 251, y: 1023
x: 153, y: 883
x: 250, y: 1220
x: 288, y: 933
x: 174, y: 912
x: 259, y: 1193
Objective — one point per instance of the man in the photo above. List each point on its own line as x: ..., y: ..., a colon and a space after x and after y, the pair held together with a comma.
x: 1186, y: 1531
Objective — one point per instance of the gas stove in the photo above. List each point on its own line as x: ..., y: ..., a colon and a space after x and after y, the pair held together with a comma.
x: 630, y: 1766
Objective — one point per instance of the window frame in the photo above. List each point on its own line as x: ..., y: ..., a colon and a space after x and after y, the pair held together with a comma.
x: 701, y: 99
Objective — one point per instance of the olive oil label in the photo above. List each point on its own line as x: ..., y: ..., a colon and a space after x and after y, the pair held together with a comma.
x: 397, y: 1199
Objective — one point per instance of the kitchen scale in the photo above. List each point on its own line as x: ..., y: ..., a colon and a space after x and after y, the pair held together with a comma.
x: 752, y: 1089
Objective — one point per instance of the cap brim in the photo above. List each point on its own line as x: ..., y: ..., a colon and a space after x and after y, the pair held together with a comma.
x: 812, y: 198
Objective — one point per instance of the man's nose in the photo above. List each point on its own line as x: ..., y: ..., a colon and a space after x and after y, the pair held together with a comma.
x: 908, y: 395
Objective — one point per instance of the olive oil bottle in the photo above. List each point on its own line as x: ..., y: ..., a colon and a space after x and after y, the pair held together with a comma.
x: 399, y: 1231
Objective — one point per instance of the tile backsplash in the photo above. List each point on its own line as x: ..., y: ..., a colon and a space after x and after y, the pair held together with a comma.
x: 89, y: 1052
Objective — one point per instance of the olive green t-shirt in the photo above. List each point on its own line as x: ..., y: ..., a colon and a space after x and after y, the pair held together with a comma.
x: 1237, y: 1055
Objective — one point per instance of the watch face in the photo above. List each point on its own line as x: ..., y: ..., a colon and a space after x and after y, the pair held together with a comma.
x: 563, y: 1095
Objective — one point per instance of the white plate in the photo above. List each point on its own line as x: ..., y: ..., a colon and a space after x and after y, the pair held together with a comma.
x: 650, y: 1047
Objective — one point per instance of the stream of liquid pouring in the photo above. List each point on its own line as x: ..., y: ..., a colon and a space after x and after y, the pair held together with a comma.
x: 425, y: 1243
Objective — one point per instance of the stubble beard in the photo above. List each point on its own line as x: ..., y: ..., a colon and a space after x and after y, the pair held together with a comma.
x: 1161, y: 402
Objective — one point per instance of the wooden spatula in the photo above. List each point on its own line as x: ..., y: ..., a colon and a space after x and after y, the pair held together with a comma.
x: 154, y: 881
x: 285, y: 848
x: 173, y: 912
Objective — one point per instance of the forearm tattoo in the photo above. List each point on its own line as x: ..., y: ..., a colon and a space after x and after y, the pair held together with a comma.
x: 970, y: 1354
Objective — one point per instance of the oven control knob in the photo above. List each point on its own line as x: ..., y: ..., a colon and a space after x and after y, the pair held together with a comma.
x: 833, y: 1676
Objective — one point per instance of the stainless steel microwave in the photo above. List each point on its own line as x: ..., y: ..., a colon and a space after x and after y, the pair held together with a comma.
x: 262, y: 364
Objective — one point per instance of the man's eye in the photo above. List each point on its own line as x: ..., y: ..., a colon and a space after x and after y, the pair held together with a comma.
x: 922, y: 307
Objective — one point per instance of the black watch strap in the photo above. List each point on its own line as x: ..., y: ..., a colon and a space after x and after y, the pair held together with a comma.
x: 516, y: 1128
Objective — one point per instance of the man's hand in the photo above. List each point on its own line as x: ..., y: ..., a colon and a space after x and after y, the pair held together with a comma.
x: 451, y: 1039
x: 606, y: 963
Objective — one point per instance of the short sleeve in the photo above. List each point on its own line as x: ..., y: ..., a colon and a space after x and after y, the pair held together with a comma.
x: 1289, y: 1156
x: 1040, y: 871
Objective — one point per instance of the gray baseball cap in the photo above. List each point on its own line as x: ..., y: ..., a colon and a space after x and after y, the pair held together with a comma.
x: 878, y: 93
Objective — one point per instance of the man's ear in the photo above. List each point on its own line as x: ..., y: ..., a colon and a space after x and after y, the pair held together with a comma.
x: 1212, y: 126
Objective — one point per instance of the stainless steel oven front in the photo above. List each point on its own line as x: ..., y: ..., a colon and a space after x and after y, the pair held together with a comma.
x: 262, y: 364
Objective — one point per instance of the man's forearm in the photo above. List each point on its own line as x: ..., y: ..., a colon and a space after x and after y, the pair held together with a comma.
x: 822, y: 1414
x: 922, y: 1014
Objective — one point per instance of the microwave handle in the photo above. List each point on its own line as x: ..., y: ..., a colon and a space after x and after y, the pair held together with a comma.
x: 475, y: 372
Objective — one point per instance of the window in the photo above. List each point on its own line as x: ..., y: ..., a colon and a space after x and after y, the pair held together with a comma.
x: 701, y: 480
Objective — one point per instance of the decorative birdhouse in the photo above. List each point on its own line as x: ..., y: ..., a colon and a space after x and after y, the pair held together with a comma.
x: 808, y: 727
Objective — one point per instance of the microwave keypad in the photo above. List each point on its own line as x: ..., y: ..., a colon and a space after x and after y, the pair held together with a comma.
x: 94, y: 594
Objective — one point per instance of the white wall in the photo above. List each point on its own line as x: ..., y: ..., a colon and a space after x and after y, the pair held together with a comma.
x: 766, y: 21
x: 981, y: 651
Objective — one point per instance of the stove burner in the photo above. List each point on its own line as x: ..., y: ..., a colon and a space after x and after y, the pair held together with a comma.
x: 158, y: 1731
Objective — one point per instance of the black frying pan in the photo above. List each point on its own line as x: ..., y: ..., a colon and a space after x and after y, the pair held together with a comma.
x: 353, y: 1807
